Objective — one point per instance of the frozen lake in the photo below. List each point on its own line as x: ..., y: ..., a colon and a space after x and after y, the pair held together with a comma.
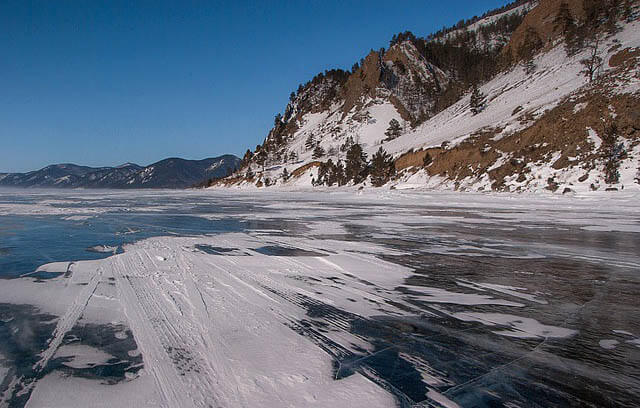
x: 199, y: 299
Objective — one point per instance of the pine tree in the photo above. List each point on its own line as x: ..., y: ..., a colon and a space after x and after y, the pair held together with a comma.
x: 249, y: 174
x: 285, y: 174
x: 323, y: 171
x: 531, y: 44
x: 394, y: 130
x: 611, y: 14
x: 382, y: 168
x: 347, y: 144
x: 341, y: 178
x: 614, y: 153
x: 594, y: 13
x: 356, y: 164
x: 247, y: 157
x: 310, y: 142
x: 564, y: 22
x: 477, y: 101
x: 529, y: 66
x: 628, y: 11
x: 330, y: 173
x: 277, y: 119
x: 318, y: 152
x: 261, y: 158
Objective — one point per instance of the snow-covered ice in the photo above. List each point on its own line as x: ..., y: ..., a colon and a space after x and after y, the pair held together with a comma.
x: 356, y: 298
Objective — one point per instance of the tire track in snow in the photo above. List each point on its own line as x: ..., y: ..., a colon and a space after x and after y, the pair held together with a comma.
x: 211, y: 343
x: 65, y: 323
x: 185, y: 363
x: 68, y: 320
x: 143, y: 323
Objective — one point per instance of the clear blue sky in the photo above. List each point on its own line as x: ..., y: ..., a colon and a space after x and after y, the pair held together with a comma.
x: 105, y: 82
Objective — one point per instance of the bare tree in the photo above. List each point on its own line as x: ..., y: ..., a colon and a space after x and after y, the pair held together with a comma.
x: 593, y: 62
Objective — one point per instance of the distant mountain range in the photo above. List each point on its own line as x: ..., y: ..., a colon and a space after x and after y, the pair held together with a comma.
x: 167, y: 173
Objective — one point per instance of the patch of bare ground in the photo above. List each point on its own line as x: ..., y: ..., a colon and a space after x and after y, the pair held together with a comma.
x: 302, y: 169
x: 415, y: 159
x: 627, y: 56
x: 473, y: 156
x: 229, y: 181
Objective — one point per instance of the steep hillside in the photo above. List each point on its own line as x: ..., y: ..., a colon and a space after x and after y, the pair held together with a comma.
x: 555, y: 108
x: 168, y: 173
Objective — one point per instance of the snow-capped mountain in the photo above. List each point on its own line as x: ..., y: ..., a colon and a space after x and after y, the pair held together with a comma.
x: 555, y: 107
x: 168, y: 173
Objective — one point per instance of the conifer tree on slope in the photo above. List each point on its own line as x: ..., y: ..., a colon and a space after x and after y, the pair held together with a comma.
x: 261, y: 158
x: 318, y: 152
x: 394, y: 130
x: 565, y: 24
x: 382, y: 168
x: 356, y: 164
x: 477, y: 102
x: 310, y: 142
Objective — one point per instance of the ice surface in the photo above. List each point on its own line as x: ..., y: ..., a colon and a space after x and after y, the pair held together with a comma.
x: 435, y: 295
x: 521, y: 326
x: 608, y: 344
x: 103, y: 248
x: 509, y: 290
x: 82, y: 356
x: 333, y: 299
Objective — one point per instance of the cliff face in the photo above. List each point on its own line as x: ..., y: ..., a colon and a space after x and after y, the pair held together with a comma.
x: 401, y: 76
x: 538, y: 121
x: 540, y: 21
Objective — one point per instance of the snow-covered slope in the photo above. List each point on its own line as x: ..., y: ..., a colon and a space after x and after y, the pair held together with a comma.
x: 535, y: 130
